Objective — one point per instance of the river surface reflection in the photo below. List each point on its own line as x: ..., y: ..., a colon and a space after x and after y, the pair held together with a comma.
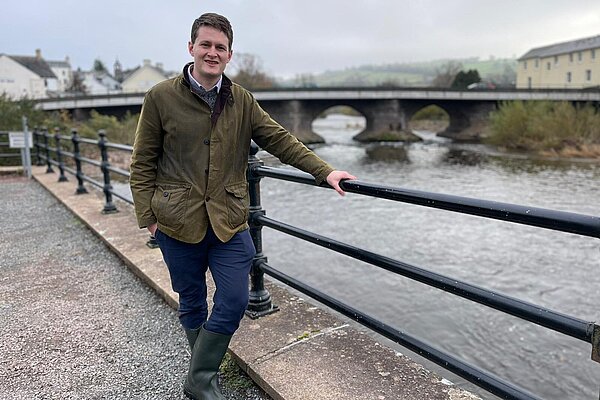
x: 555, y: 270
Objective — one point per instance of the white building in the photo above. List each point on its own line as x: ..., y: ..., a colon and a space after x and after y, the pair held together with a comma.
x: 26, y: 76
x: 99, y: 82
x: 63, y: 72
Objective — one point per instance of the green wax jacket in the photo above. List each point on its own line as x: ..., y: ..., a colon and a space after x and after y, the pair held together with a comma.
x: 188, y: 168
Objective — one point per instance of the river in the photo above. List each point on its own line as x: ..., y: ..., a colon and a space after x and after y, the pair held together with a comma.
x: 552, y: 269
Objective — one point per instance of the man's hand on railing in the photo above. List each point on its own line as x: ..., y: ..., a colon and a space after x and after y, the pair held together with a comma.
x: 335, y: 177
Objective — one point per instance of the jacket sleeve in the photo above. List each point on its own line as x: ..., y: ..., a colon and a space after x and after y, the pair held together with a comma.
x: 146, y: 150
x: 275, y: 139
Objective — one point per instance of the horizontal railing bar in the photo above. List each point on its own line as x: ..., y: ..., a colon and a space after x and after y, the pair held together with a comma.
x: 70, y: 170
x: 10, y: 155
x: 581, y: 224
x: 118, y: 171
x: 90, y: 161
x: 481, y: 378
x: 566, y: 324
x: 119, y: 146
x: 92, y: 181
x: 88, y: 141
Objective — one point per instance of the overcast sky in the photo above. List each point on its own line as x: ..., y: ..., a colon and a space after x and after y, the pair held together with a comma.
x: 293, y: 36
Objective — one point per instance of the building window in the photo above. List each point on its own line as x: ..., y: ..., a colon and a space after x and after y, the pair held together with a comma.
x: 524, y: 64
x: 529, y: 82
x: 588, y: 75
x: 555, y: 60
x: 593, y: 54
x: 548, y: 66
x: 579, y: 56
x: 537, y: 63
x: 570, y: 57
x: 568, y: 77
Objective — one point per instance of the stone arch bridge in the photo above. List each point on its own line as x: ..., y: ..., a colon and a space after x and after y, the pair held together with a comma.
x: 385, y: 109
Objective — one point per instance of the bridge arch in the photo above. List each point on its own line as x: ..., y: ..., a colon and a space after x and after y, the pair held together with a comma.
x: 431, y: 118
x: 339, y: 123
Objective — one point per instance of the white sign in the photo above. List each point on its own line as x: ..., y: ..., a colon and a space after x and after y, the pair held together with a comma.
x: 16, y: 140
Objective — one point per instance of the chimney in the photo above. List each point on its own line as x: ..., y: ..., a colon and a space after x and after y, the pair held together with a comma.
x: 38, y: 54
x: 67, y: 60
x: 159, y: 65
x: 146, y: 62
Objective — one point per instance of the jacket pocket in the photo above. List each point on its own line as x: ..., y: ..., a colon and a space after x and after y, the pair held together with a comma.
x: 237, y: 203
x: 169, y: 204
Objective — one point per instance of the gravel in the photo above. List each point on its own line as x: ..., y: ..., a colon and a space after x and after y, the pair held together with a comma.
x: 75, y: 323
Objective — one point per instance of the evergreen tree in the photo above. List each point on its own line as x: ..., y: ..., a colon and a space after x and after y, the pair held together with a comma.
x: 463, y: 79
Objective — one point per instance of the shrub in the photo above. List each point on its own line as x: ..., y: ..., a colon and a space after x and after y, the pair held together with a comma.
x: 122, y: 131
x: 544, y: 125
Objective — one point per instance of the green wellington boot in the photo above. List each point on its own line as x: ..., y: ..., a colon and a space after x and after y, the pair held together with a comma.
x: 202, y: 379
x: 192, y: 335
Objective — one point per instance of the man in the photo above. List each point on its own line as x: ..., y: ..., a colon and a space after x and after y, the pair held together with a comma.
x: 188, y: 180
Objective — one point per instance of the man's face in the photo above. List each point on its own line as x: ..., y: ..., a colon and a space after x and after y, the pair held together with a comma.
x: 211, y: 54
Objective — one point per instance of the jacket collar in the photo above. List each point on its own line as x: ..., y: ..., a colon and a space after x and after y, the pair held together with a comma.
x: 224, y: 97
x: 225, y: 84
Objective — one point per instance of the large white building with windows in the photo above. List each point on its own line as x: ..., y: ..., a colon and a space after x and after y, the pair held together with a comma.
x: 568, y: 65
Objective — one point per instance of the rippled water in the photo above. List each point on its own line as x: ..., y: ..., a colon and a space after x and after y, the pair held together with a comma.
x: 555, y: 270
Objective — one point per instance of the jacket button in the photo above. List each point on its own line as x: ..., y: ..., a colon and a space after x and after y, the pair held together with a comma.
x: 206, y: 141
x: 165, y: 194
x: 206, y: 171
x: 208, y: 199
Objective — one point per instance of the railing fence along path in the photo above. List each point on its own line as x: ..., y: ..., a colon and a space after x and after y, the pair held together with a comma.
x: 260, y: 299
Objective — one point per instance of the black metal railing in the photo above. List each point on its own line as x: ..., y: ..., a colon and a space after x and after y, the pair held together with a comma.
x: 8, y: 155
x: 586, y: 225
x: 260, y: 298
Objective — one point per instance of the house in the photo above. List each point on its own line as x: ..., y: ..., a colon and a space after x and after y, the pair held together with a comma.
x: 26, y: 76
x: 568, y: 65
x: 63, y: 72
x: 98, y: 82
x: 141, y: 79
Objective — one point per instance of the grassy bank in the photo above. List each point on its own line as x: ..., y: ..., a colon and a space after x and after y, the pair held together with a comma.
x: 546, y: 128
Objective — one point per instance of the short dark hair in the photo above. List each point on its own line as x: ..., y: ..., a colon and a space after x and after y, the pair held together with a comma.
x: 216, y: 21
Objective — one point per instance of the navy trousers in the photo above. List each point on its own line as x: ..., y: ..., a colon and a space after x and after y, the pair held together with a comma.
x: 229, y: 265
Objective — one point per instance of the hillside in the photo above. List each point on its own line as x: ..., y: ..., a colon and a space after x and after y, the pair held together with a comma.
x: 500, y: 71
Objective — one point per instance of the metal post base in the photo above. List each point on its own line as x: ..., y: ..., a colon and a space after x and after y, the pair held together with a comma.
x: 257, y: 314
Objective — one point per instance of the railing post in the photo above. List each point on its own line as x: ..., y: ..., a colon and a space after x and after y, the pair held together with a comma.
x: 61, y: 166
x: 260, y: 302
x: 36, y: 141
x: 109, y: 207
x: 77, y: 156
x: 49, y: 169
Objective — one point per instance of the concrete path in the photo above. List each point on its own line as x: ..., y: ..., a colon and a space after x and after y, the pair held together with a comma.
x: 75, y: 323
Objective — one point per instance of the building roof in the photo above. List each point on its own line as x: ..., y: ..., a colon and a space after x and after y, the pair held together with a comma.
x: 562, y: 48
x: 58, y: 64
x: 36, y: 65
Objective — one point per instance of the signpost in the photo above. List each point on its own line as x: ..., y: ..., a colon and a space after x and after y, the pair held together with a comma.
x: 24, y: 141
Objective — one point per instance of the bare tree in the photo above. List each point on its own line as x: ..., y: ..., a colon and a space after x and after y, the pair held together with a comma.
x: 248, y: 72
x: 444, y: 75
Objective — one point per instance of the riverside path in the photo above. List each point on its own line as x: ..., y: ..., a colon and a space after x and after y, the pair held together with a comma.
x: 75, y: 322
